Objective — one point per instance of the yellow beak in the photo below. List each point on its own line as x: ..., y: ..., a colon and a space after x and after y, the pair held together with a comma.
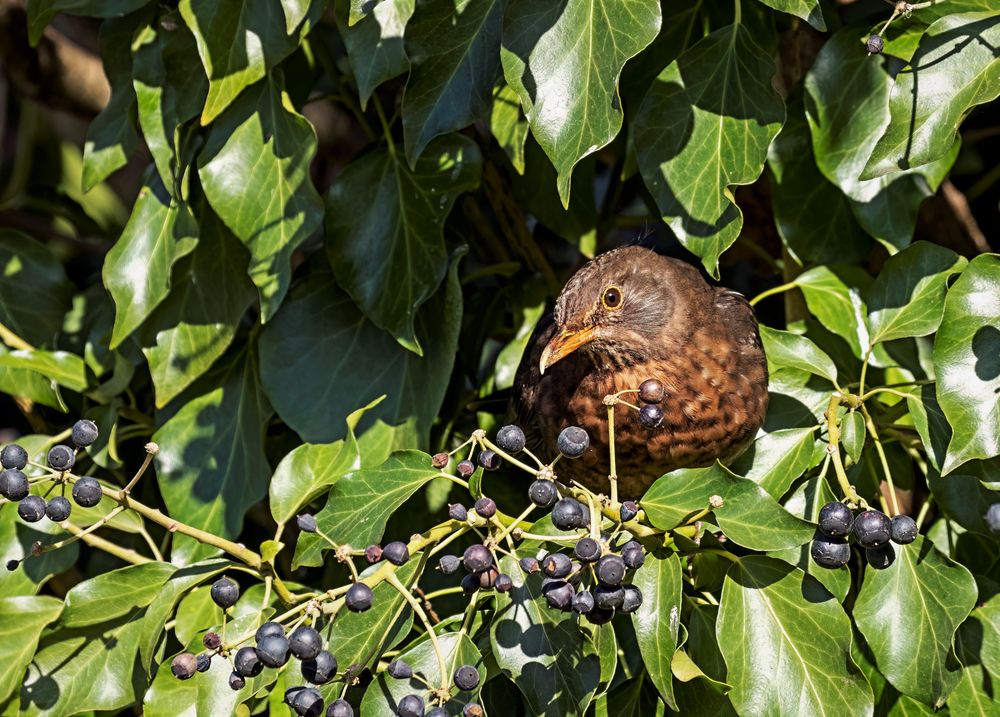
x: 563, y: 344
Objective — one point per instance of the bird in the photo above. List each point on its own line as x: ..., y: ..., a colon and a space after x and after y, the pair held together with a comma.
x: 627, y: 316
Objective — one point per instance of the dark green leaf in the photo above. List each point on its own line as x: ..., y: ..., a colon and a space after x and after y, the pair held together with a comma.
x: 453, y: 47
x: 777, y: 459
x: 17, y: 537
x: 34, y: 290
x: 255, y: 173
x: 852, y: 434
x: 113, y: 594
x: 137, y: 269
x: 908, y: 614
x: 954, y: 69
x: 21, y: 622
x: 704, y: 127
x: 657, y: 619
x: 966, y: 351
x: 41, y: 12
x: 785, y: 349
x: 977, y: 645
x: 375, y: 43
x: 60, y: 367
x: 808, y: 10
x: 29, y: 384
x: 564, y: 61
x: 385, y: 229
x: 787, y: 644
x: 211, y: 466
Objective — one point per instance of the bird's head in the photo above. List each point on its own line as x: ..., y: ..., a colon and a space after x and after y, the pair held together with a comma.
x: 623, y: 306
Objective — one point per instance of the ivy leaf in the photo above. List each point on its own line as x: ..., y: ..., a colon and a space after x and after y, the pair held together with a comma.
x: 34, y: 291
x: 310, y: 468
x: 954, y: 69
x: 211, y: 466
x: 748, y: 516
x: 255, y: 173
x: 361, y: 502
x: 852, y: 434
x: 321, y: 359
x: 137, y: 269
x: 113, y: 594
x: 41, y: 12
x: 23, y: 619
x: 16, y: 540
x: 787, y: 644
x: 908, y: 614
x: 977, y: 645
x: 508, y: 125
x: 385, y: 229
x: 60, y: 367
x: 965, y: 360
x: 542, y: 651
x: 657, y: 620
x: 453, y: 47
x: 777, y: 459
x: 833, y: 295
x: 787, y: 350
x: 564, y: 61
x: 907, y: 297
x: 374, y: 43
x: 29, y: 384
x: 808, y: 10
x: 704, y: 127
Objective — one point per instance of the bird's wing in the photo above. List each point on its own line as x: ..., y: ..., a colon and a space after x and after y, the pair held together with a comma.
x: 739, y: 318
x: 524, y: 398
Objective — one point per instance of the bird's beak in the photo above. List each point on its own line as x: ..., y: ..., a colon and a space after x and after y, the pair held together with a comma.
x: 563, y: 344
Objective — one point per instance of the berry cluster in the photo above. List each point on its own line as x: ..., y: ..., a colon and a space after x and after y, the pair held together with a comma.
x: 15, y: 486
x: 872, y: 530
x: 466, y: 679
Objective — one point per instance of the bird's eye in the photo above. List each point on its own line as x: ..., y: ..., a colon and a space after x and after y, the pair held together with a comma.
x: 611, y: 299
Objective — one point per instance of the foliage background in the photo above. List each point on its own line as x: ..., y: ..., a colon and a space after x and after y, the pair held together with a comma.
x: 270, y: 214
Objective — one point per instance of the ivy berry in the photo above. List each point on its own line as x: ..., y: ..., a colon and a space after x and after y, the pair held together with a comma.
x: 84, y: 433
x: 466, y: 678
x: 13, y: 456
x: 410, y: 706
x: 543, y: 493
x: 14, y: 485
x: 651, y: 415
x: 87, y: 492
x: 305, y: 643
x: 830, y: 552
x: 396, y: 552
x: 573, y: 441
x: 570, y: 514
x: 225, y: 593
x: 872, y: 529
x: 61, y: 458
x: 340, y: 708
x: 835, y: 520
x: 272, y: 650
x: 651, y: 391
x: 184, y: 666
x: 611, y: 570
x: 58, y: 509
x: 903, y: 529
x: 31, y: 509
x: 320, y: 669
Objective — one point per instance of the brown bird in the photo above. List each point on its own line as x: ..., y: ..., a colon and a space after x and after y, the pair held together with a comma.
x: 625, y: 317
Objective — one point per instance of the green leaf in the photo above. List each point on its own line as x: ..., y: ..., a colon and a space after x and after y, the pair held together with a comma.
x: 954, y: 69
x: 977, y: 645
x: 29, y: 384
x: 908, y: 614
x: 508, y: 125
x: 375, y: 43
x: 833, y: 295
x: 321, y: 359
x: 657, y: 620
x: 748, y: 516
x: 170, y: 90
x: 542, y: 651
x: 808, y: 10
x: 197, y: 322
x: 907, y: 297
x: 852, y: 434
x: 113, y: 594
x: 777, y: 459
x: 965, y: 360
x: 307, y: 470
x: 785, y: 349
x: 21, y: 622
x: 111, y: 137
x: 60, y: 367
x: 453, y: 45
x: 787, y: 644
x: 255, y: 173
x: 34, y: 290
x: 385, y: 229
x: 137, y: 269
x: 361, y: 502
x: 564, y: 61
x: 41, y: 12
x: 16, y: 539
x: 211, y: 466
x: 704, y: 127
x: 456, y: 648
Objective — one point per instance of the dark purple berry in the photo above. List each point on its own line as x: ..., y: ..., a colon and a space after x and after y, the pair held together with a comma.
x: 543, y: 493
x: 557, y: 565
x: 633, y: 555
x: 511, y: 439
x: 611, y: 570
x: 13, y: 456
x: 305, y: 701
x: 440, y: 460
x: 628, y: 510
x: 503, y: 583
x: 340, y: 708
x: 396, y: 552
x: 830, y: 552
x: 84, y: 432
x: 306, y: 522
x: 12, y: 564
x: 87, y: 492
x: 14, y: 485
x: 448, y: 564
x: 203, y: 662
x: 587, y: 550
x: 477, y: 558
x: 61, y: 458
x: 466, y: 468
x: 600, y: 616
x: 651, y: 391
x: 632, y: 599
x: 272, y: 650
x: 373, y: 553
x: 266, y: 630
x: 247, y: 663
x: 470, y: 583
x: 558, y: 594
x: 651, y: 415
x: 835, y: 520
x: 212, y: 640
x: 583, y: 602
x: 608, y: 598
x: 573, y: 441
x: 410, y: 706
x: 305, y: 643
x: 872, y: 529
x: 875, y: 44
x: 569, y: 514
x: 486, y: 508
x: 225, y: 593
x: 529, y: 565
x: 320, y: 669
x: 358, y: 597
x: 457, y: 511
x: 31, y: 508
x: 236, y: 682
x: 58, y: 509
x: 184, y: 666
x: 466, y: 678
x: 399, y: 670
x: 489, y: 460
x: 881, y: 557
x: 903, y: 529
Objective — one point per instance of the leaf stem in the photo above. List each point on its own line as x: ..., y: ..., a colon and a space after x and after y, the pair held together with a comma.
x: 613, y: 475
x: 870, y: 424
x: 419, y: 610
x: 96, y: 541
x: 833, y: 449
x: 772, y: 291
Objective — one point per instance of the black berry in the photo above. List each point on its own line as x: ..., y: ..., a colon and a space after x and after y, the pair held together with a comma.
x: 628, y: 510
x: 438, y: 712
x: 272, y: 650
x: 84, y: 432
x: 266, y: 630
x: 306, y: 522
x: 305, y: 643
x: 511, y: 439
x: 557, y: 565
x: 529, y: 565
x: 573, y: 442
x: 457, y: 511
x: 440, y: 460
x: 992, y: 518
x: 489, y: 460
x: 503, y: 583
x: 373, y: 553
x: 872, y: 529
x: 608, y: 598
x: 212, y: 640
x: 543, y: 493
x: 903, y: 529
x: 651, y: 391
x: 466, y: 678
x: 875, y: 44
x: 486, y: 507
x: 203, y: 662
x: 12, y: 564
x: 587, y: 550
x: 611, y: 570
x: 236, y: 682
x: 184, y: 666
x: 247, y: 663
x: 477, y: 558
x: 830, y: 552
x: 225, y: 593
x: 583, y: 602
x: 410, y: 706
x: 87, y: 492
x: 58, y: 509
x: 558, y: 593
x: 61, y: 458
x: 881, y: 557
x: 31, y: 508
x: 600, y: 616
x: 633, y: 555
x: 632, y: 599
x: 396, y: 552
x: 466, y: 468
x: 651, y: 415
x: 340, y: 708
x: 448, y: 564
x: 399, y: 670
x: 835, y: 520
x: 13, y: 456
x: 305, y: 701
x: 320, y: 669
x: 14, y: 484
x: 358, y: 597
x: 569, y: 514
x: 470, y: 583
